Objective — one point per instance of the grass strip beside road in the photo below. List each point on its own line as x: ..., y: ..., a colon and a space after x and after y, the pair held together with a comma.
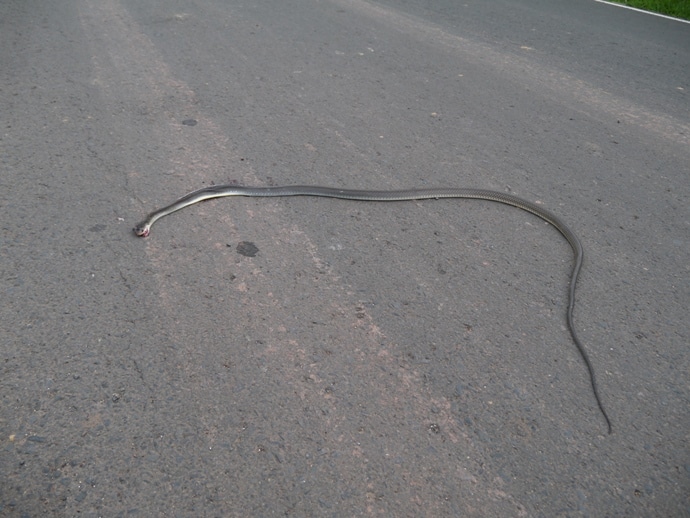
x: 675, y: 8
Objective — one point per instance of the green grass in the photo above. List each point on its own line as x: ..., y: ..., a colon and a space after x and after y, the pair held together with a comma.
x: 677, y: 8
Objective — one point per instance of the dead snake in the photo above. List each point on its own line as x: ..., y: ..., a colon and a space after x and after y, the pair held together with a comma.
x: 217, y: 191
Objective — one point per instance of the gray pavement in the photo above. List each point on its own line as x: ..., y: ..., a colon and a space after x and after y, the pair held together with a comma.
x: 312, y: 357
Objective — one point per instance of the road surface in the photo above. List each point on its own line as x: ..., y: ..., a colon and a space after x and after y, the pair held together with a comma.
x: 314, y: 357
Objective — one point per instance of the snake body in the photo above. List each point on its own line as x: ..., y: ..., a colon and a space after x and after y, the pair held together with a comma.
x: 218, y: 191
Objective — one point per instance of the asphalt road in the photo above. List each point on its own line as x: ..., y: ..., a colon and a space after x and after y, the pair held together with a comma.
x: 313, y: 357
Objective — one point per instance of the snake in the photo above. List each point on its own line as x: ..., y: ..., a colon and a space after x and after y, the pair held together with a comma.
x: 143, y: 229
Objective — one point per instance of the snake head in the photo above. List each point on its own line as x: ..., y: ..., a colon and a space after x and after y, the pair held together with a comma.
x: 142, y: 230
